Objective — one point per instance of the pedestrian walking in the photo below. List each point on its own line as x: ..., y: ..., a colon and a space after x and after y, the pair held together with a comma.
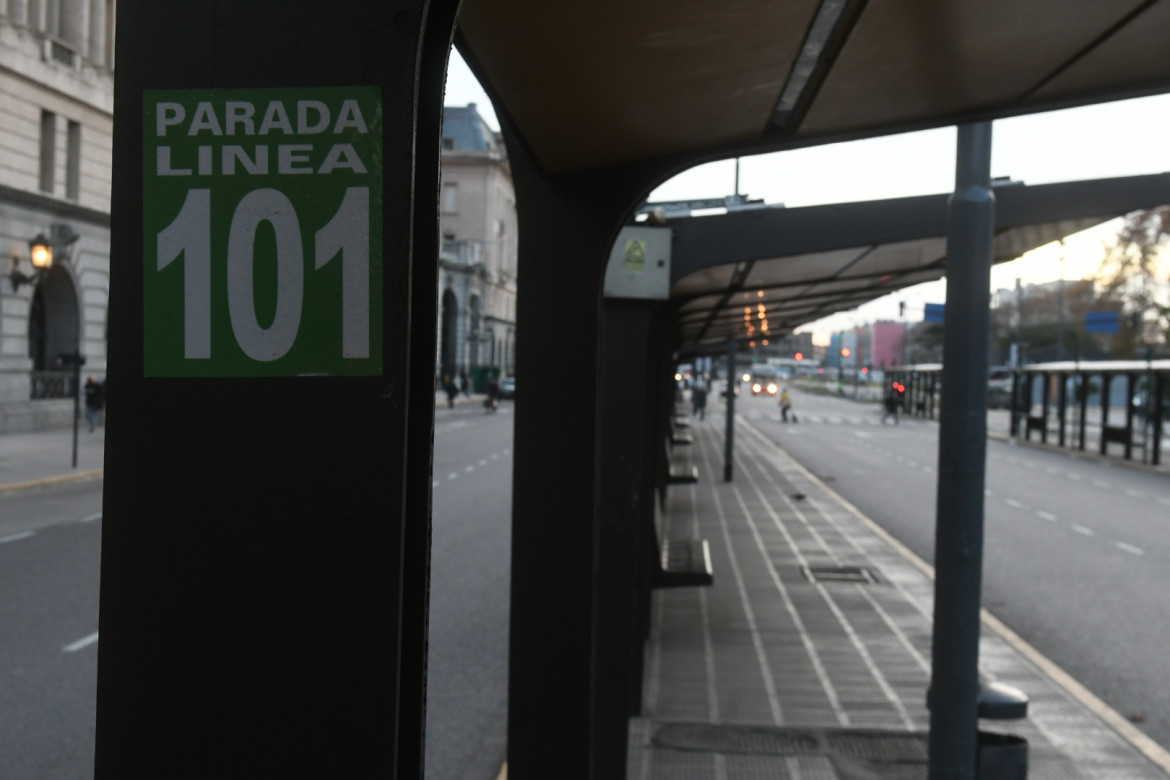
x: 891, y: 404
x: 492, y: 402
x: 466, y: 381
x: 699, y: 400
x: 451, y: 389
x: 786, y: 406
x: 95, y: 401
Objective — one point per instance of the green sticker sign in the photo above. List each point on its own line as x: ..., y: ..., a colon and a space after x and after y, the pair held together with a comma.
x: 635, y: 256
x: 262, y: 220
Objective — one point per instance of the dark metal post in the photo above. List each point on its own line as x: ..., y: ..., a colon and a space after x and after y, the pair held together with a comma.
x: 1017, y: 394
x: 1106, y: 390
x: 1157, y: 390
x: 76, y: 360
x: 1045, y: 393
x: 1062, y: 404
x: 729, y: 438
x: 962, y: 462
x: 1130, y: 390
x: 1083, y: 386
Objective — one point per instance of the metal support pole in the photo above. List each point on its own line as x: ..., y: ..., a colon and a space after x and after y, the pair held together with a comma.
x: 962, y: 462
x: 729, y: 438
x: 1046, y: 392
x: 1157, y: 421
x: 1083, y: 386
x: 76, y: 359
x: 1062, y: 403
x: 1106, y: 390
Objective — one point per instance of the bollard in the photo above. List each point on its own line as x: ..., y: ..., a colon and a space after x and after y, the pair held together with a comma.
x: 1001, y: 757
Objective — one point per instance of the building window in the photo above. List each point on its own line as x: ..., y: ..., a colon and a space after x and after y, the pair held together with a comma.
x: 450, y: 197
x: 73, y: 162
x: 48, y: 149
x: 448, y: 144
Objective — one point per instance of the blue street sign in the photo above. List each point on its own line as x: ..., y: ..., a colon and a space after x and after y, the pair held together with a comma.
x: 934, y: 312
x: 1102, y: 322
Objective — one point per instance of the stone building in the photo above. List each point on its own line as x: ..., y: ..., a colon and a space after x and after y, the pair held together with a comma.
x: 477, y: 263
x: 56, y: 126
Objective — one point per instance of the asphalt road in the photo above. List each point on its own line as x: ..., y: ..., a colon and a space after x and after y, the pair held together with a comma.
x: 50, y: 542
x: 1076, y: 551
x: 470, y: 573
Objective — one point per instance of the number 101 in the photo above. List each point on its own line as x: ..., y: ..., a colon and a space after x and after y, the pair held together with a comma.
x: 347, y: 234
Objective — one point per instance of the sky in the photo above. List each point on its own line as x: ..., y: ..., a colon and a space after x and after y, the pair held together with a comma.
x: 1124, y: 138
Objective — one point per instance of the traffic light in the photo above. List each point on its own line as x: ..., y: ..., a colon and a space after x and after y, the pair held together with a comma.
x: 845, y: 352
x: 865, y: 369
x: 901, y: 309
x: 799, y: 356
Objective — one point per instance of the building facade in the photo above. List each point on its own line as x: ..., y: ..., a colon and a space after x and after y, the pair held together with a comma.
x: 477, y: 262
x: 56, y: 136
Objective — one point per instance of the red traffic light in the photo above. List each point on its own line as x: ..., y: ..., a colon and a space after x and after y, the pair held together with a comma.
x: 865, y: 369
x: 799, y: 356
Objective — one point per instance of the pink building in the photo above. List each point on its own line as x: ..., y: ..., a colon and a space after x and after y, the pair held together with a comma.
x: 885, y: 344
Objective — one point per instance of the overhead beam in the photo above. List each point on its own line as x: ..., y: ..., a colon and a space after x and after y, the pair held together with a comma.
x: 760, y: 234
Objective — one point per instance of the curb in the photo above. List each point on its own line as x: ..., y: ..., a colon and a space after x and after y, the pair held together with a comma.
x: 80, y: 476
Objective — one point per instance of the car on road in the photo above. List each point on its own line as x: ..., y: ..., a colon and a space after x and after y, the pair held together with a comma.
x: 764, y: 385
x: 508, y: 388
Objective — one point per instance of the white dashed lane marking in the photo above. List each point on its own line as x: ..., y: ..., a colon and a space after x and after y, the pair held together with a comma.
x: 1046, y: 516
x: 469, y: 469
x: 1129, y: 548
x: 16, y: 537
x: 452, y: 475
x: 85, y: 641
x: 1013, y: 503
x: 1080, y: 529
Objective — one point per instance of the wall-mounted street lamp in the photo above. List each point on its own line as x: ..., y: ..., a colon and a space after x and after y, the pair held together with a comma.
x: 40, y: 253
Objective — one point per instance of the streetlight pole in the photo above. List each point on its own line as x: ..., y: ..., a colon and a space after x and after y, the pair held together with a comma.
x: 1060, y: 308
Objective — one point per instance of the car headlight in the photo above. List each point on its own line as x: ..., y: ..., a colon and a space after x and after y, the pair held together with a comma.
x: 772, y: 389
x: 756, y: 387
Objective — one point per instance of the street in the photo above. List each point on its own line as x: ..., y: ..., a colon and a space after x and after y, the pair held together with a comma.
x: 50, y: 541
x: 467, y: 675
x: 1075, y: 562
x: 1075, y: 554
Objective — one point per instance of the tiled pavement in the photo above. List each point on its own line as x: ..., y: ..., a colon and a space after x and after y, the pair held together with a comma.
x: 767, y: 674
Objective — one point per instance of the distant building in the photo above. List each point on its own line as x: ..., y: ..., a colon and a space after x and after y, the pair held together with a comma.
x: 477, y: 262
x: 56, y: 139
x: 886, y: 344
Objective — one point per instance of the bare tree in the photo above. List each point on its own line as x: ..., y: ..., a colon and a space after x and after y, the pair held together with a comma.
x: 1130, y: 274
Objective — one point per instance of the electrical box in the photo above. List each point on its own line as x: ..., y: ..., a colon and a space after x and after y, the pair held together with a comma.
x: 639, y: 264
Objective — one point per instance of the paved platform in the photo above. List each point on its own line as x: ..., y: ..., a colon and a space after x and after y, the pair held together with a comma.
x: 769, y: 674
x: 46, y: 457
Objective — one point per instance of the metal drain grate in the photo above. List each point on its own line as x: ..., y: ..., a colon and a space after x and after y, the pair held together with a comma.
x: 723, y: 738
x: 861, y: 574
x: 854, y: 752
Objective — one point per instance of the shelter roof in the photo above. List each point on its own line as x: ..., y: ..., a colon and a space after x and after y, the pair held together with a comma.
x: 607, y: 82
x: 787, y: 267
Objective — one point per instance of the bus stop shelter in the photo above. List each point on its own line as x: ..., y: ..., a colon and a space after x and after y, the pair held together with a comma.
x: 264, y: 579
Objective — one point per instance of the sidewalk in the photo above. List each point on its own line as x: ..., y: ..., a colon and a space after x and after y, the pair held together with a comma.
x: 46, y: 457
x: 769, y: 674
